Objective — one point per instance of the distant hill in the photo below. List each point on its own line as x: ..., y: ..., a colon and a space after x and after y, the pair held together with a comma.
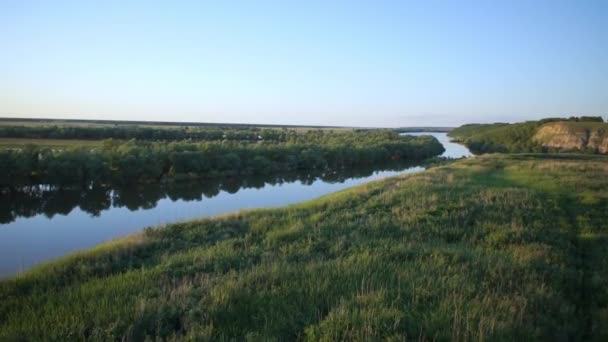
x: 584, y: 134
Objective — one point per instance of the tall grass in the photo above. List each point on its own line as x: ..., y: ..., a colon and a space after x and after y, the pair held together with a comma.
x: 493, y: 248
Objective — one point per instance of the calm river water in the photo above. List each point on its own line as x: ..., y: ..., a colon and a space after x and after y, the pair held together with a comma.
x: 49, y: 224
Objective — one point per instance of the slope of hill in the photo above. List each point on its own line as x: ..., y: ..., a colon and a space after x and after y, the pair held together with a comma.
x: 573, y: 136
x: 548, y: 135
x: 498, y: 247
x: 499, y: 137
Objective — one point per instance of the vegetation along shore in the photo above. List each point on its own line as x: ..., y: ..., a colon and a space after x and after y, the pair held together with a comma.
x: 143, y: 161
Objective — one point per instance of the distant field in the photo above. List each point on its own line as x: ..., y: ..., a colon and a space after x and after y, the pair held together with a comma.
x: 152, y: 124
x: 57, y: 132
x: 54, y: 143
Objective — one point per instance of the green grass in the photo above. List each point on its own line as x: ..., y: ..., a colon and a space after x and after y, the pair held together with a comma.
x: 490, y: 248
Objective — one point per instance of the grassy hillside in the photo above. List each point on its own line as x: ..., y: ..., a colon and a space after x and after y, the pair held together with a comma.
x: 495, y: 247
x: 498, y: 137
x: 524, y: 137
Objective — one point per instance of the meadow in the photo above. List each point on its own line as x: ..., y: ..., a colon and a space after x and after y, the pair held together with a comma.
x: 497, y: 247
x: 19, y: 143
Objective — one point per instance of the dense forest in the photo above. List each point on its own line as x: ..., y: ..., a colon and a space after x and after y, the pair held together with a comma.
x: 497, y: 248
x: 511, y: 138
x: 132, y: 161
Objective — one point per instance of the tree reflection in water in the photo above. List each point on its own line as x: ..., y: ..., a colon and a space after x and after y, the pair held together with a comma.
x: 41, y: 199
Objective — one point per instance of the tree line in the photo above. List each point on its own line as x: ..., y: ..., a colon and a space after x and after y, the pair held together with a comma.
x: 196, y: 133
x: 135, y: 161
x: 144, y: 133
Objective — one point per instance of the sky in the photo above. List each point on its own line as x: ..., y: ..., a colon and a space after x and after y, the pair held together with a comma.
x: 349, y: 63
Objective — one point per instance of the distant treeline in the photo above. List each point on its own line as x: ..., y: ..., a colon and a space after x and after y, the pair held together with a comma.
x: 211, y: 133
x: 125, y: 162
x: 145, y: 133
x: 575, y: 119
x: 510, y: 138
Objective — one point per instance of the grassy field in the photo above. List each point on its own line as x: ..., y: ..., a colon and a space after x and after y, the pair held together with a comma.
x: 495, y: 248
x: 52, y: 143
x: 153, y: 124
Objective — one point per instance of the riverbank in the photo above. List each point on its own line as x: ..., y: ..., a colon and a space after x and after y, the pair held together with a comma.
x: 495, y: 247
x: 143, y: 162
x: 39, y: 223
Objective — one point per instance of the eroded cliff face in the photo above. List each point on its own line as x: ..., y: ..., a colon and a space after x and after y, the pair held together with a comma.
x: 574, y: 136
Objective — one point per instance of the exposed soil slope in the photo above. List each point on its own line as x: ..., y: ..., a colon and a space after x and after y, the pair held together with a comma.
x: 591, y: 136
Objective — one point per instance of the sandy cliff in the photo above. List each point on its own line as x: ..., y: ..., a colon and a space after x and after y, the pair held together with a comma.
x: 574, y: 136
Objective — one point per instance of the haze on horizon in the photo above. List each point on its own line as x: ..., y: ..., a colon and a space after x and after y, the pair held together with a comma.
x: 356, y: 63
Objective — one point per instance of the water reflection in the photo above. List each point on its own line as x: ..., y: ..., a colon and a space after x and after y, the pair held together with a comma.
x: 43, y: 200
x: 42, y: 223
x: 452, y: 149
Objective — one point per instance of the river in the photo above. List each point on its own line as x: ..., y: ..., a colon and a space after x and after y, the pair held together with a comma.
x: 48, y: 224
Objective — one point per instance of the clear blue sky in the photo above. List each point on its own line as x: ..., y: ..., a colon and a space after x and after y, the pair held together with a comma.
x: 364, y: 63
